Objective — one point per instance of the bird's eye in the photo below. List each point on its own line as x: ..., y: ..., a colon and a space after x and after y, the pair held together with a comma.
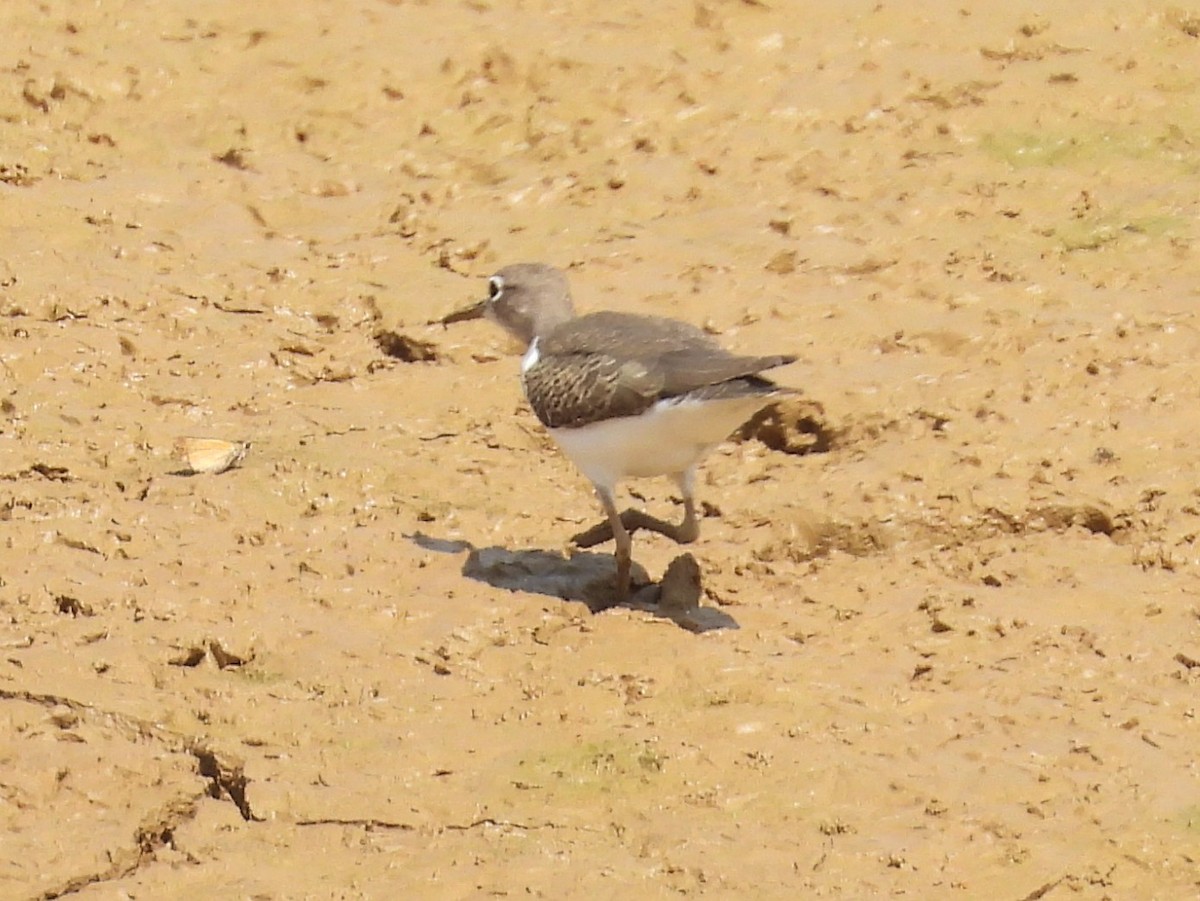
x: 495, y: 287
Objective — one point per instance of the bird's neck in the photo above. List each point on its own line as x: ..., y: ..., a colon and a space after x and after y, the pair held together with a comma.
x: 551, y: 317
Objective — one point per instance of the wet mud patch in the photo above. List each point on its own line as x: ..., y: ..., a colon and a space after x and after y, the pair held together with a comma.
x: 963, y: 573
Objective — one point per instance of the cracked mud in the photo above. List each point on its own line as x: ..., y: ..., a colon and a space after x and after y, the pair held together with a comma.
x: 940, y: 635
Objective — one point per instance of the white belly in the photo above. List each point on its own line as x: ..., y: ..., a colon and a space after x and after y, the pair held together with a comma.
x: 671, y: 437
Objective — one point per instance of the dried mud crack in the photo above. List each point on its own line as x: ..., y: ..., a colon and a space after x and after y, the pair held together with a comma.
x: 227, y: 780
x: 224, y: 777
x: 370, y: 824
x: 156, y: 831
x: 500, y: 824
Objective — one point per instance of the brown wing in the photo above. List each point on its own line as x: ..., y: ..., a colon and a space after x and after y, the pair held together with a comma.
x: 676, y: 357
x: 571, y: 390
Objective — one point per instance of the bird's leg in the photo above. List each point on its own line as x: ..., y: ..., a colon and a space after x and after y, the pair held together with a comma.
x: 688, y: 530
x: 631, y: 520
x: 624, y: 551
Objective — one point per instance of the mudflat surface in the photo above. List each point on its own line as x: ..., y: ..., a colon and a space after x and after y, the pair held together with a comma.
x: 949, y: 644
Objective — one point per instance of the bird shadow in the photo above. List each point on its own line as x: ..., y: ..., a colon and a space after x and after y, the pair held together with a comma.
x: 582, y: 576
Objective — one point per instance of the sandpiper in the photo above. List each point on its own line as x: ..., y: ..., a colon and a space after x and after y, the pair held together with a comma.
x: 626, y: 395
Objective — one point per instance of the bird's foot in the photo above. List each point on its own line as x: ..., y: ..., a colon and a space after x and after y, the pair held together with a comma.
x: 633, y: 520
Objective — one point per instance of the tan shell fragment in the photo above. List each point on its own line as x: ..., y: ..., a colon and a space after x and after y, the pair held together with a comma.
x: 209, y: 455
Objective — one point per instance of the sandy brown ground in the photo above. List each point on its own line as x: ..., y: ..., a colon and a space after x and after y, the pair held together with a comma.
x: 960, y: 654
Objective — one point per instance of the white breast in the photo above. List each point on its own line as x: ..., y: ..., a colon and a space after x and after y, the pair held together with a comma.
x: 671, y: 437
x: 532, y: 355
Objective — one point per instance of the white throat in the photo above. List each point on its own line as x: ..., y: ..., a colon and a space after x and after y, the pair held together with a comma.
x: 531, y: 357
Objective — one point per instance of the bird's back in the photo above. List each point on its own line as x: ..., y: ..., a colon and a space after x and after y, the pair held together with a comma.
x: 607, y: 365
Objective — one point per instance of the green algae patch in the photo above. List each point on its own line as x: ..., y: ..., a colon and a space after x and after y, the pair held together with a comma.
x: 1095, y: 234
x: 1023, y: 149
x: 604, y: 767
